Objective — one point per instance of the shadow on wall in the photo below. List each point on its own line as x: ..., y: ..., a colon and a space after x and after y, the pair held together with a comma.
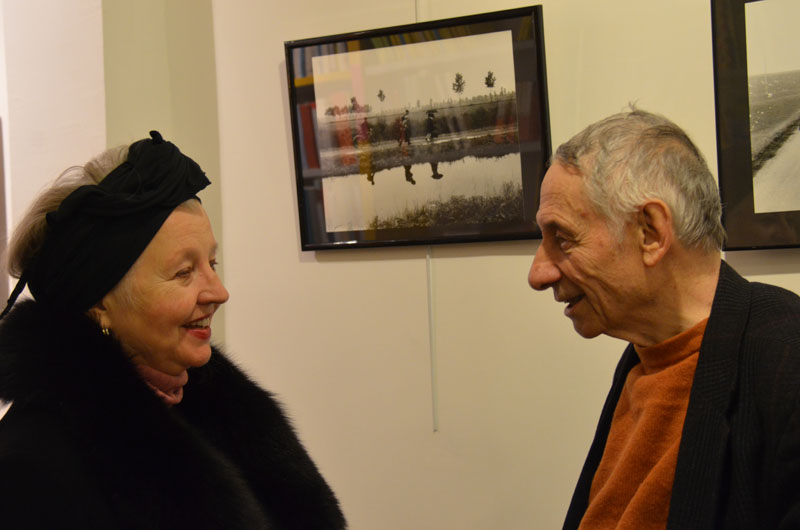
x: 3, y: 228
x: 761, y: 262
x: 523, y: 247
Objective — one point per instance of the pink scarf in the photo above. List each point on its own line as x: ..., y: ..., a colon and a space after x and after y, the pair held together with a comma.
x: 167, y: 387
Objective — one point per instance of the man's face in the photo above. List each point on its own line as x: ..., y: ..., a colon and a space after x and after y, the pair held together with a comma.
x: 589, y: 269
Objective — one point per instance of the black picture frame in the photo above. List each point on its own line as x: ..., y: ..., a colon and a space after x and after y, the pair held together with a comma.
x: 748, y: 225
x: 455, y: 165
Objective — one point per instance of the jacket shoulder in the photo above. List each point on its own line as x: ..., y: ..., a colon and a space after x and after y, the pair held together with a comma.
x: 775, y: 312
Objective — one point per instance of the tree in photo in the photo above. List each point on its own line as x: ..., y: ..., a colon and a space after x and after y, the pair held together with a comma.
x: 459, y: 84
x: 489, y: 81
x: 381, y: 95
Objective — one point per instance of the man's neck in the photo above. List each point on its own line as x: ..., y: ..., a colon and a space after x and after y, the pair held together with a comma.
x: 684, y: 288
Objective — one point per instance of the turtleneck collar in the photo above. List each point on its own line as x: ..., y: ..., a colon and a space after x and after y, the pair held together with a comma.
x: 672, y: 350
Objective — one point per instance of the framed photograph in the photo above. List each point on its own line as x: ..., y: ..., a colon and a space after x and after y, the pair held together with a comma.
x: 436, y: 132
x: 757, y: 89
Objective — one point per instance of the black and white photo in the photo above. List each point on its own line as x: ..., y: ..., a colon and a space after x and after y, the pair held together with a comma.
x: 773, y: 75
x: 418, y: 134
x: 757, y: 93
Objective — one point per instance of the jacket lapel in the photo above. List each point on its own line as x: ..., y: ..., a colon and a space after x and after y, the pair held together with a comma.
x: 704, y: 442
x: 580, y: 498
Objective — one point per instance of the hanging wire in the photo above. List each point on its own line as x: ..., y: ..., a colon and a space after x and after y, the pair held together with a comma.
x: 432, y: 344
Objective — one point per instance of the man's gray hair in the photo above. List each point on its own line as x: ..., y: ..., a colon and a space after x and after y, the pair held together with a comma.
x: 633, y: 156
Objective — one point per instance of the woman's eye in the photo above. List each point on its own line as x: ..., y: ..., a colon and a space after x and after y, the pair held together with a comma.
x: 213, y: 264
x: 183, y: 273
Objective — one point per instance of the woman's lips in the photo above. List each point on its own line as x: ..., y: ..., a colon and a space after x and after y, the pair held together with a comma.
x: 200, y: 328
x: 200, y: 333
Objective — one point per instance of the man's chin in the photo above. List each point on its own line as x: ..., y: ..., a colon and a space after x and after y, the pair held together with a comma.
x: 586, y: 330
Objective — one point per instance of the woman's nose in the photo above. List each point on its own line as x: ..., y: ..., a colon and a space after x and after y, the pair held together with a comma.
x: 215, y: 292
x: 543, y: 273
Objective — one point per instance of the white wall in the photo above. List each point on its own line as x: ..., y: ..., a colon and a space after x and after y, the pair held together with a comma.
x: 342, y: 337
x: 52, y: 91
x: 160, y: 74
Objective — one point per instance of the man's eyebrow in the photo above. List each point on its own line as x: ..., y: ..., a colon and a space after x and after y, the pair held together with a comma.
x: 552, y: 225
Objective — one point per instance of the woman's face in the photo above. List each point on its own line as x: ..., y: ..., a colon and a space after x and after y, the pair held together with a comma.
x: 161, y: 310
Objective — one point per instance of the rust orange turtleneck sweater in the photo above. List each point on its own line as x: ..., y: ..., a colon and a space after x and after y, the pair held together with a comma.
x: 633, y: 483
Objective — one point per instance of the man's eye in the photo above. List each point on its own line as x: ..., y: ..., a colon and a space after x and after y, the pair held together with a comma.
x: 213, y: 264
x: 184, y: 273
x: 562, y: 242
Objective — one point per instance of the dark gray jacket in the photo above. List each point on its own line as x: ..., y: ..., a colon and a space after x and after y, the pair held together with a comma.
x: 739, y: 458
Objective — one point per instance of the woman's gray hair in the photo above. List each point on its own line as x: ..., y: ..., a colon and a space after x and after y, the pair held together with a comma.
x: 633, y: 156
x: 28, y: 236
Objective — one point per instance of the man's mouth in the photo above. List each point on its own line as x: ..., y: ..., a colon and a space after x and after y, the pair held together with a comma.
x: 572, y: 301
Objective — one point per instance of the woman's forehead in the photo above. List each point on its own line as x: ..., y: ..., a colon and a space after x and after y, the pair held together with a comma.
x: 186, y: 233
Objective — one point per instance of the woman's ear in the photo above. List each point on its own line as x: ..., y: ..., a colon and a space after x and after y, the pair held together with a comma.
x: 99, y: 314
x: 656, y: 231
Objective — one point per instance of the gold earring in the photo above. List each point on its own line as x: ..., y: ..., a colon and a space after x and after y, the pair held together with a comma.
x: 106, y: 332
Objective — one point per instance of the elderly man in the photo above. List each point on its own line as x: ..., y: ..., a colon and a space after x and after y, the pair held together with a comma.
x: 701, y: 428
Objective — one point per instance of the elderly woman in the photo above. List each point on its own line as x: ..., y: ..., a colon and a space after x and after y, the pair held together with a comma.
x: 122, y: 414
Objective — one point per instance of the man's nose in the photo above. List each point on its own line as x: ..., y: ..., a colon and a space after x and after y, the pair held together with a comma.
x: 543, y: 273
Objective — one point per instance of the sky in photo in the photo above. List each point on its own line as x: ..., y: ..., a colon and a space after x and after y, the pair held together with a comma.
x: 414, y: 74
x: 772, y: 36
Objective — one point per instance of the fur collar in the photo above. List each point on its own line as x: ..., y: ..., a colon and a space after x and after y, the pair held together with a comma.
x: 157, y: 467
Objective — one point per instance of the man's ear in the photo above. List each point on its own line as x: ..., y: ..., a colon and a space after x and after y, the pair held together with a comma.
x: 656, y: 233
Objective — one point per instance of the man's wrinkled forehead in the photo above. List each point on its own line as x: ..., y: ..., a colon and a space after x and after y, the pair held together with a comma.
x: 562, y: 199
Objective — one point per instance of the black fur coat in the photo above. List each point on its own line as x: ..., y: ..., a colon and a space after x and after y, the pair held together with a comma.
x: 86, y: 444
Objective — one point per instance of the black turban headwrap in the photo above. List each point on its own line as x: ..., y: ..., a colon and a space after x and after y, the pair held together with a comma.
x: 100, y: 230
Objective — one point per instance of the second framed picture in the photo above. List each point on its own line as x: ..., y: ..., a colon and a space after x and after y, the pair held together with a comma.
x: 435, y: 132
x: 757, y: 85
